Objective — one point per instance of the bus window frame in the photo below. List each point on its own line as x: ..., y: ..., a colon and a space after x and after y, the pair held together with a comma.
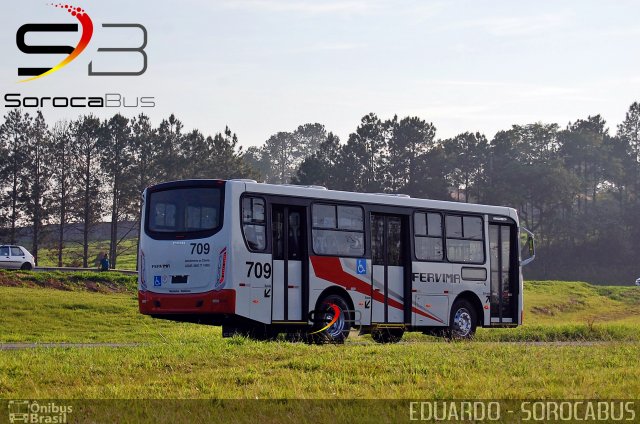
x: 442, y: 234
x: 335, y: 204
x: 268, y: 227
x: 462, y: 215
x: 443, y: 222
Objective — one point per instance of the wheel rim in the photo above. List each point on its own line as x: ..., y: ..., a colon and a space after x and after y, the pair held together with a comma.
x: 462, y: 322
x: 338, y: 327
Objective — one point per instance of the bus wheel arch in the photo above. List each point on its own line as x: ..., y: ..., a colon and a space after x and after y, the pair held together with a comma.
x: 335, y: 290
x: 464, y: 317
x: 475, y: 302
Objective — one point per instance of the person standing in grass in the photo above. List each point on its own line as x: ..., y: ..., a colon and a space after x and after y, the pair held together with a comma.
x: 104, y: 263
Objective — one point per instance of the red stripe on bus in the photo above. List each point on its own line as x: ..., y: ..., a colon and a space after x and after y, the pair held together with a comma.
x: 330, y: 269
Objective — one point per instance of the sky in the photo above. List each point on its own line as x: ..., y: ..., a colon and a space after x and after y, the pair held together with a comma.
x: 263, y: 66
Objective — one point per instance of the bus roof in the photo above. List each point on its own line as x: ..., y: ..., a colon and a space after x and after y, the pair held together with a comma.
x: 374, y: 198
x: 318, y: 192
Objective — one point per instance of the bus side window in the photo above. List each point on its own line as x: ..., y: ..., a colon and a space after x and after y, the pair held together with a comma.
x: 254, y: 225
x: 465, y: 239
x: 338, y: 230
x: 428, y: 236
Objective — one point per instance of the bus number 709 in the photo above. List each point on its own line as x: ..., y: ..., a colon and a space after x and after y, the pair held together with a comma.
x: 259, y: 269
x: 200, y: 248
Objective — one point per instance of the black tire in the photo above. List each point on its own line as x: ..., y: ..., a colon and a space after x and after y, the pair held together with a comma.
x: 337, y: 332
x: 387, y: 335
x: 26, y: 266
x: 463, y: 321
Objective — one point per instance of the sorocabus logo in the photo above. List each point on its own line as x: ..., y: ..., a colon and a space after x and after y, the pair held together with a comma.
x: 72, y: 52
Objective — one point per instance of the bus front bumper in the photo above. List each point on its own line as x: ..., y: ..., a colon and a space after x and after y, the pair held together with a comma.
x: 212, y: 302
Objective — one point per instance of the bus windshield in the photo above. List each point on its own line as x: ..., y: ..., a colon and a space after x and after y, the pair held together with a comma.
x: 184, y: 210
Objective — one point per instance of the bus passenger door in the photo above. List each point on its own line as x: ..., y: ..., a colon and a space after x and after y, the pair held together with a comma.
x: 388, y: 269
x: 504, y: 277
x: 289, y: 251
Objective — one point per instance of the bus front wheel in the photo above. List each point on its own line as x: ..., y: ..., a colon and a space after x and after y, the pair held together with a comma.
x: 333, y: 320
x: 463, y: 320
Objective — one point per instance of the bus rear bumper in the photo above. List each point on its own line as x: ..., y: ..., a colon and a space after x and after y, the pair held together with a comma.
x: 212, y: 302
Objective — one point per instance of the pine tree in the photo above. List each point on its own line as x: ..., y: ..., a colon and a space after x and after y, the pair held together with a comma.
x: 280, y: 149
x: 364, y: 156
x: 87, y: 195
x: 171, y: 164
x: 411, y: 139
x: 61, y: 174
x: 35, y: 189
x: 466, y: 156
x: 308, y: 138
x: 321, y: 167
x: 116, y: 158
x: 13, y: 137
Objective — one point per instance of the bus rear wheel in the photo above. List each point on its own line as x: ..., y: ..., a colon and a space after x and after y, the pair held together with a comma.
x: 333, y: 321
x: 387, y: 335
x: 463, y: 321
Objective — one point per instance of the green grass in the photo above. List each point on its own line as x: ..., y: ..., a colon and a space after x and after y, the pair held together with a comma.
x: 554, y: 311
x: 177, y: 360
x: 72, y: 254
x: 546, y: 301
x: 44, y: 315
x: 240, y: 368
x: 70, y: 281
x: 559, y: 310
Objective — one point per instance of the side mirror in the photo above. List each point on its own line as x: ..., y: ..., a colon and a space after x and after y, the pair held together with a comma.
x: 529, y: 248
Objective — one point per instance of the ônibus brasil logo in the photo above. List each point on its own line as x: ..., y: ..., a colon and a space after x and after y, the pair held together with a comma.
x: 72, y: 52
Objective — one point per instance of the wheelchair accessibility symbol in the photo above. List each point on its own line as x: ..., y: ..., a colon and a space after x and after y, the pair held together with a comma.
x: 361, y: 266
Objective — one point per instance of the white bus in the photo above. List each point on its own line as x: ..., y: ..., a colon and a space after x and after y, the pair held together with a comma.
x: 262, y: 259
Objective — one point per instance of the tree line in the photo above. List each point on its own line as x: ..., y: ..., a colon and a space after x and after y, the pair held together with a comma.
x: 79, y: 173
x: 577, y: 187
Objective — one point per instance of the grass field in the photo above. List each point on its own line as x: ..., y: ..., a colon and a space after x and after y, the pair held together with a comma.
x: 72, y: 254
x: 190, y: 361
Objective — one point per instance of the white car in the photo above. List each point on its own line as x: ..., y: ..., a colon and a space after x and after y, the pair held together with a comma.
x: 638, y: 282
x: 16, y: 257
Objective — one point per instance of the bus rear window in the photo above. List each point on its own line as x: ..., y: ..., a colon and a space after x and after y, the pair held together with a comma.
x: 184, y: 210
